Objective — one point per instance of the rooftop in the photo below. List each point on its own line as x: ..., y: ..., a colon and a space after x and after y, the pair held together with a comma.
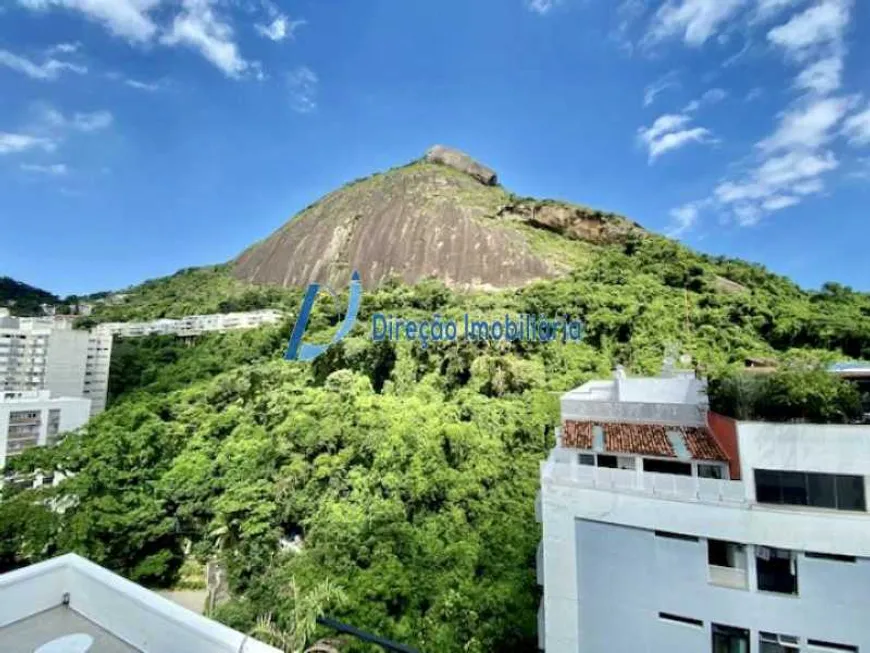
x: 679, y: 442
x: 78, y: 602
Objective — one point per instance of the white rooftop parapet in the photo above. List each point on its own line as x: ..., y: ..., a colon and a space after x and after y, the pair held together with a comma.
x: 138, y: 617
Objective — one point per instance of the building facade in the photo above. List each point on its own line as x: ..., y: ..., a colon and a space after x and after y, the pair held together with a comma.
x: 34, y: 418
x: 670, y: 528
x: 48, y: 354
x: 193, y: 325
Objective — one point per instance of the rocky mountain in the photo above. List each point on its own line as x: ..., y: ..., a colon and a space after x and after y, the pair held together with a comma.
x: 443, y: 216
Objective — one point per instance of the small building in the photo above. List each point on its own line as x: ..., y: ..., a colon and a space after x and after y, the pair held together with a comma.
x: 667, y: 527
x: 73, y: 605
x: 35, y: 419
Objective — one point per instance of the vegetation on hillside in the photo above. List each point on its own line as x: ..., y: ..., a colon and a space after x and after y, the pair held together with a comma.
x: 22, y: 299
x: 408, y: 473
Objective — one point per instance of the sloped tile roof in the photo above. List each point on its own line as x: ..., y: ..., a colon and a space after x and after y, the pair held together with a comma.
x: 643, y: 439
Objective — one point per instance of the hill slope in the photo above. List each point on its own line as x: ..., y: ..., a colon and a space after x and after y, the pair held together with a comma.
x: 23, y: 299
x: 439, y: 217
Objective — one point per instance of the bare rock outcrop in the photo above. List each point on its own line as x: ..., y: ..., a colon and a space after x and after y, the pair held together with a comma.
x: 449, y: 156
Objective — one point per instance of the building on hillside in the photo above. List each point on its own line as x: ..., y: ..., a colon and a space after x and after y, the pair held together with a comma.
x: 33, y: 418
x: 193, y: 325
x: 48, y: 354
x: 857, y: 372
x: 71, y: 604
x: 670, y: 528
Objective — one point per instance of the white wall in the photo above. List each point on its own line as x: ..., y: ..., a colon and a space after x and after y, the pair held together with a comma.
x: 74, y: 412
x: 65, y: 362
x: 829, y: 448
x: 627, y: 576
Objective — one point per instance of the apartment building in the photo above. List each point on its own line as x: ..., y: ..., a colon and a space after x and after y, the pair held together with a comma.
x: 33, y: 418
x: 48, y: 354
x: 193, y: 325
x: 670, y: 528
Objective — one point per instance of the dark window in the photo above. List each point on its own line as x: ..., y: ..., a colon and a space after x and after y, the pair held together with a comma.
x: 727, y: 639
x: 821, y: 490
x: 850, y: 493
x: 710, y: 471
x: 676, y: 536
x: 830, y: 556
x: 683, y: 620
x: 840, y: 491
x: 776, y: 570
x: 832, y: 645
x: 667, y: 467
x: 587, y: 459
x: 607, y: 461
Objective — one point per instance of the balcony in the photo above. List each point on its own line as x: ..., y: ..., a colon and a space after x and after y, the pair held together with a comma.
x: 562, y: 467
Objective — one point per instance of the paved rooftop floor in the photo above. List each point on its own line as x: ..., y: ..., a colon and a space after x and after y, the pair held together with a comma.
x: 27, y: 635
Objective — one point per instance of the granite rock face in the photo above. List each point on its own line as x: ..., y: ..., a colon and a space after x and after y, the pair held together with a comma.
x: 461, y: 161
x: 440, y: 217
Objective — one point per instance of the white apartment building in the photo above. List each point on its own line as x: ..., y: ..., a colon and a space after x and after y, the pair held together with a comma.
x: 667, y: 528
x: 193, y: 325
x: 33, y: 418
x: 48, y: 354
x: 69, y: 604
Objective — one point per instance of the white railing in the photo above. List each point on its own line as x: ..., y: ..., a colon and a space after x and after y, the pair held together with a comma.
x: 728, y: 577
x: 627, y: 411
x: 563, y: 468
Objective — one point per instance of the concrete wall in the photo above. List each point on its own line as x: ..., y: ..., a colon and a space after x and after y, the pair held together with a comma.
x: 65, y: 362
x: 627, y: 576
x: 829, y: 448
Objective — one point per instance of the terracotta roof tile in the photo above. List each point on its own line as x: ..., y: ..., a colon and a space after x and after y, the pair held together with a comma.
x: 643, y: 439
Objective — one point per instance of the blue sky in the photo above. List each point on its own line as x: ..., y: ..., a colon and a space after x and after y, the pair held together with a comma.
x: 138, y: 137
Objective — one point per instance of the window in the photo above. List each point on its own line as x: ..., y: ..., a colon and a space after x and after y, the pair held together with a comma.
x: 706, y: 470
x: 587, y: 459
x: 773, y: 643
x: 829, y: 556
x: 665, y: 616
x: 777, y: 570
x: 839, y: 491
x: 831, y: 646
x: 607, y: 461
x: 727, y: 639
x: 727, y: 564
x: 676, y: 536
x: 667, y: 467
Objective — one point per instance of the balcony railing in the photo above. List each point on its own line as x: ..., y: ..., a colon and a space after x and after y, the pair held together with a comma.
x: 563, y: 468
x: 733, y: 577
x: 627, y: 411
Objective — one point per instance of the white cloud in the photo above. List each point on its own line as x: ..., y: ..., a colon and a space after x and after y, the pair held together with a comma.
x: 54, y: 170
x: 280, y: 28
x: 694, y: 21
x: 541, y: 7
x: 808, y: 126
x: 754, y: 94
x: 857, y: 128
x: 671, y: 132
x: 779, y: 202
x: 49, y: 70
x: 91, y: 122
x: 142, y: 86
x: 303, y: 89
x: 822, y: 76
x: 769, y: 8
x: 714, y: 95
x: 819, y: 25
x: 684, y: 217
x: 128, y: 19
x: 199, y: 27
x: 65, y: 48
x: 662, y: 84
x: 13, y: 143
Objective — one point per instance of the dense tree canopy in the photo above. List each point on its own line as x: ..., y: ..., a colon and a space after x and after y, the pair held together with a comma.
x: 408, y: 472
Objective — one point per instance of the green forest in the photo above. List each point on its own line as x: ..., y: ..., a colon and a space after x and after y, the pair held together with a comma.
x: 408, y: 474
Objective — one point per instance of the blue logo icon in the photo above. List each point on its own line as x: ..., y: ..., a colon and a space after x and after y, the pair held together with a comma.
x: 300, y: 351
